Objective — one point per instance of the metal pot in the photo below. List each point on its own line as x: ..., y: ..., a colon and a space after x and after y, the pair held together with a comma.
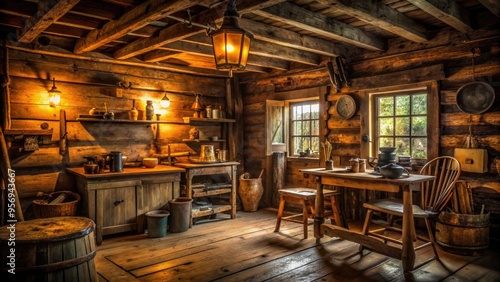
x: 393, y: 171
x: 115, y: 160
x: 475, y: 97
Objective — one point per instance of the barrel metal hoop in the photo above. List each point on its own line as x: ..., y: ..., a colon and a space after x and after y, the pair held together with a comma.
x: 58, y: 265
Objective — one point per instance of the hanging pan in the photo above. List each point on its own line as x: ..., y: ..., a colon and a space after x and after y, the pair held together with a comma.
x: 475, y: 97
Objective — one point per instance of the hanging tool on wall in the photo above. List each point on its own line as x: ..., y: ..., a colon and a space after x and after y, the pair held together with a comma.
x: 338, y: 75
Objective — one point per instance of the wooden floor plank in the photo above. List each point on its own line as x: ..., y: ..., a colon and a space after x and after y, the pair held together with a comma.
x: 247, y: 249
x: 485, y: 268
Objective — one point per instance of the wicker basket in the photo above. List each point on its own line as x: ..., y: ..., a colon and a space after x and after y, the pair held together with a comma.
x: 43, y: 208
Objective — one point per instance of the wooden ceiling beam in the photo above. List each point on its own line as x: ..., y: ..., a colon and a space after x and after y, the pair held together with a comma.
x: 180, y: 30
x: 47, y: 13
x: 492, y: 5
x: 136, y: 18
x: 383, y: 16
x: 158, y: 55
x: 447, y: 11
x: 288, y: 38
x: 204, y: 50
x: 98, y: 57
x: 296, y: 16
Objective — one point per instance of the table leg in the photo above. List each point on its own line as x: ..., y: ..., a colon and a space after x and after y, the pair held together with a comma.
x: 408, y: 252
x: 319, y: 211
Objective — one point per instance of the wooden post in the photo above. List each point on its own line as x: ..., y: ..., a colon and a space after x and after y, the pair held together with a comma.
x: 278, y: 176
x: 6, y: 122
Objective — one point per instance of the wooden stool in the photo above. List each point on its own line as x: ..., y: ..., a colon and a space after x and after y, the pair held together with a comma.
x: 306, y: 198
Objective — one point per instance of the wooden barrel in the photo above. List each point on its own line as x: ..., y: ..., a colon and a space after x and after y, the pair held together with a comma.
x: 463, y: 234
x: 48, y: 249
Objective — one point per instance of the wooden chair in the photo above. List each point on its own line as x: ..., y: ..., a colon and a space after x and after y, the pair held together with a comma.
x: 306, y: 198
x: 434, y: 196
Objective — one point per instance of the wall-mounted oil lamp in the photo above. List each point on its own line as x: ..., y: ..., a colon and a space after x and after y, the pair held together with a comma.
x: 54, y: 95
x: 165, y: 102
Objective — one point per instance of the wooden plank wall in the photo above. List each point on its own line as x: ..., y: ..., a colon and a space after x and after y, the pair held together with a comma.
x: 448, y: 48
x: 84, y: 85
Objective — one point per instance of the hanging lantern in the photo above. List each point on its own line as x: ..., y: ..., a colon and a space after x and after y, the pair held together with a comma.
x: 230, y: 42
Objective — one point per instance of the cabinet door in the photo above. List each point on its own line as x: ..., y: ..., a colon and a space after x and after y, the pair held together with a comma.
x: 118, y: 212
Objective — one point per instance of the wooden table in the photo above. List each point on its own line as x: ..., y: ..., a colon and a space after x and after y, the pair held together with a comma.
x: 369, y: 181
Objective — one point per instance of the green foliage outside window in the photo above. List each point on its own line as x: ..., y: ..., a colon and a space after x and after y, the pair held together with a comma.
x: 402, y: 123
x: 305, y: 126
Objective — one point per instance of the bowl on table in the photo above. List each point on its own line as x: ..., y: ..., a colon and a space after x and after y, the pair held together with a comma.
x: 150, y: 162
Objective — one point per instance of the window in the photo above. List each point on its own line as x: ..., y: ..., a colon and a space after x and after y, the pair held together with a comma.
x: 304, y: 126
x: 401, y: 122
x: 405, y: 117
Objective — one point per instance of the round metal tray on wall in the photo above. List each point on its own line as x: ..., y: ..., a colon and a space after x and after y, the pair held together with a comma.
x: 475, y: 97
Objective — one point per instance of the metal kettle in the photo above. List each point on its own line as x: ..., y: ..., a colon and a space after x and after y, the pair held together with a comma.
x: 393, y: 171
x: 115, y: 160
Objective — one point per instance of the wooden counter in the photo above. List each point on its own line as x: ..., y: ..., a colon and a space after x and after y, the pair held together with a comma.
x: 127, y: 171
x: 117, y: 201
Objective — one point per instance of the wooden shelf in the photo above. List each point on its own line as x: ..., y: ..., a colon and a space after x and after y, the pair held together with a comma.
x: 128, y: 121
x: 202, y: 140
x: 214, y: 209
x: 28, y: 131
x: 192, y: 120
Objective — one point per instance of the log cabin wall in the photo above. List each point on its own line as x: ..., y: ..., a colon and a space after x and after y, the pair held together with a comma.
x: 88, y: 84
x: 448, y: 55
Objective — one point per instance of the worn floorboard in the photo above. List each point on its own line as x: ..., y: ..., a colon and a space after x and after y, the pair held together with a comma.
x: 248, y: 249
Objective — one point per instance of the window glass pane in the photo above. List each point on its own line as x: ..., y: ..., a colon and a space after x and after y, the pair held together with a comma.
x: 297, y: 145
x: 298, y: 112
x: 306, y: 109
x: 315, y: 129
x: 386, y: 106
x: 315, y: 144
x: 419, y: 148
x: 403, y: 126
x: 419, y: 126
x: 419, y: 104
x: 386, y: 126
x: 403, y: 105
x: 301, y: 144
x: 297, y: 128
x: 403, y: 146
x: 315, y: 111
x: 386, y: 142
x: 306, y: 127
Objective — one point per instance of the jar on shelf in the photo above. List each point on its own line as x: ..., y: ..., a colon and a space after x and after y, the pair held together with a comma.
x: 208, y: 111
x: 150, y: 111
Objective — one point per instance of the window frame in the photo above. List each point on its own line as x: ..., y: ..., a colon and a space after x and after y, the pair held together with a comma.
x: 289, y: 105
x: 369, y: 147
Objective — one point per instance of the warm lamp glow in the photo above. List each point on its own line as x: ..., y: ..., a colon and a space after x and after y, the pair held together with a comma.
x: 165, y: 102
x: 230, y: 42
x: 54, y: 95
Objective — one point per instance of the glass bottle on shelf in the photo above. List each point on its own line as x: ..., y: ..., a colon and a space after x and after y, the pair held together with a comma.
x: 150, y: 111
